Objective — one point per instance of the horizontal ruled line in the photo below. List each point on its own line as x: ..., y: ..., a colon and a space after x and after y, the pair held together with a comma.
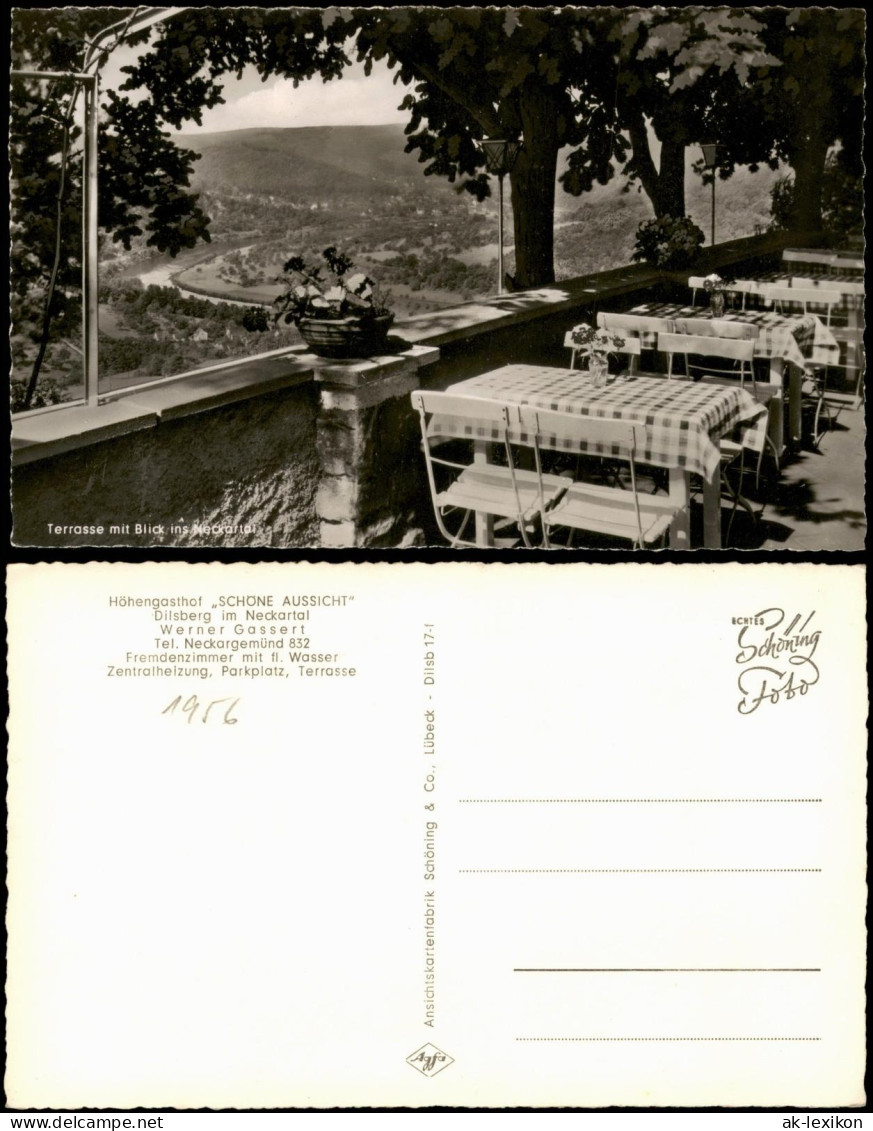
x: 640, y: 800
x: 614, y: 870
x: 667, y: 970
x: 668, y: 1038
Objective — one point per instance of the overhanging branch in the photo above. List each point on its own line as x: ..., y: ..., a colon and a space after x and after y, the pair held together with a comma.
x: 487, y: 119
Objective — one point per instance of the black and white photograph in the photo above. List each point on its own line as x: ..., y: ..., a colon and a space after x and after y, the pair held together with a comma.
x: 406, y: 278
x: 324, y: 835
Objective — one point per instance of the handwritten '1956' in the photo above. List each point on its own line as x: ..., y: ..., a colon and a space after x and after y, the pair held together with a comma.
x: 192, y: 705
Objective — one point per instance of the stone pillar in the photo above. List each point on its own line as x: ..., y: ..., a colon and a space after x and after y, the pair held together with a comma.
x: 368, y: 448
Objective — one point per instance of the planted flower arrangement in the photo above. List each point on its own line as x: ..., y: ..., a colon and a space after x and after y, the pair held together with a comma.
x: 338, y: 313
x: 669, y: 241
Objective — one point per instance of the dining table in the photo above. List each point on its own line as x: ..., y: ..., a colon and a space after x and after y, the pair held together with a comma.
x: 850, y: 285
x: 796, y: 342
x: 831, y: 277
x: 847, y: 320
x: 683, y: 423
x: 818, y: 258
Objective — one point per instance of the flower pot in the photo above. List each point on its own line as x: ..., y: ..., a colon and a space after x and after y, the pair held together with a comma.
x: 346, y: 337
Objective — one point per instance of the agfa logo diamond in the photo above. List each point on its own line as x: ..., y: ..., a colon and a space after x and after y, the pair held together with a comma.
x: 429, y: 1060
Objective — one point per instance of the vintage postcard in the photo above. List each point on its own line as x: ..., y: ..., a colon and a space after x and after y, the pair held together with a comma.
x: 460, y: 835
x: 314, y: 222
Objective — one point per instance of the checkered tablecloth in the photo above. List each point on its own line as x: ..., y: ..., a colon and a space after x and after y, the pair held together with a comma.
x: 683, y: 421
x: 825, y: 279
x: 822, y: 275
x: 805, y: 341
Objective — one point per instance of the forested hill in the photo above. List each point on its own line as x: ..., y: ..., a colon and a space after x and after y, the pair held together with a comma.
x: 357, y: 162
x: 309, y: 162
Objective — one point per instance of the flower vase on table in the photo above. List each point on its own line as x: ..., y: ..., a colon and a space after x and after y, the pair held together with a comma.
x: 594, y: 346
x: 716, y: 288
x: 598, y: 369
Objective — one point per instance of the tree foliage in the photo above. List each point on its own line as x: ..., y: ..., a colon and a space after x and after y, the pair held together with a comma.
x: 586, y: 78
x: 769, y: 84
x: 553, y: 77
x: 798, y: 108
x: 143, y: 173
x: 670, y: 68
x: 813, y: 101
x: 842, y: 200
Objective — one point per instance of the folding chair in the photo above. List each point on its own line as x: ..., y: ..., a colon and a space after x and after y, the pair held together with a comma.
x: 747, y: 290
x: 764, y: 393
x: 846, y: 287
x: 722, y: 361
x: 829, y: 403
x: 784, y: 298
x: 808, y: 255
x: 624, y: 325
x: 851, y: 298
x: 634, y: 326
x: 642, y: 520
x: 736, y: 352
x: 696, y: 283
x: 631, y: 350
x: 716, y: 328
x: 504, y: 492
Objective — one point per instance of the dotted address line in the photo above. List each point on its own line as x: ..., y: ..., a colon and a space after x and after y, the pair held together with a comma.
x: 660, y: 870
x: 640, y: 800
x: 668, y: 1038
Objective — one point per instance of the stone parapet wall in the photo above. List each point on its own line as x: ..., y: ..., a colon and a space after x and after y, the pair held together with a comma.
x: 249, y: 469
x: 367, y: 450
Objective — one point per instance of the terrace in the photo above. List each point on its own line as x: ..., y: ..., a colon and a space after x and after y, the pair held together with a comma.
x: 288, y: 450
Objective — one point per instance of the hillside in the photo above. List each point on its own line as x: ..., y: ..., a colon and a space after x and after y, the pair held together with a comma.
x: 314, y: 162
x: 271, y: 192
x: 364, y: 163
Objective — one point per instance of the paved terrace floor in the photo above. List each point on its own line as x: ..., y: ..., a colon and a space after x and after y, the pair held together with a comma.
x: 817, y: 503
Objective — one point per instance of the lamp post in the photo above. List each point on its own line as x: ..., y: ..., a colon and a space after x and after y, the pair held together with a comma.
x: 500, y: 156
x: 710, y: 160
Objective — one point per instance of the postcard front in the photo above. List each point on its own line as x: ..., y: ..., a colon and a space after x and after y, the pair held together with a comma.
x: 336, y: 836
x: 295, y: 234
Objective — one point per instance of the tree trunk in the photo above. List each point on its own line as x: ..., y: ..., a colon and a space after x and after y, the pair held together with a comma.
x: 808, y: 162
x: 669, y: 198
x: 664, y: 186
x: 533, y: 189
